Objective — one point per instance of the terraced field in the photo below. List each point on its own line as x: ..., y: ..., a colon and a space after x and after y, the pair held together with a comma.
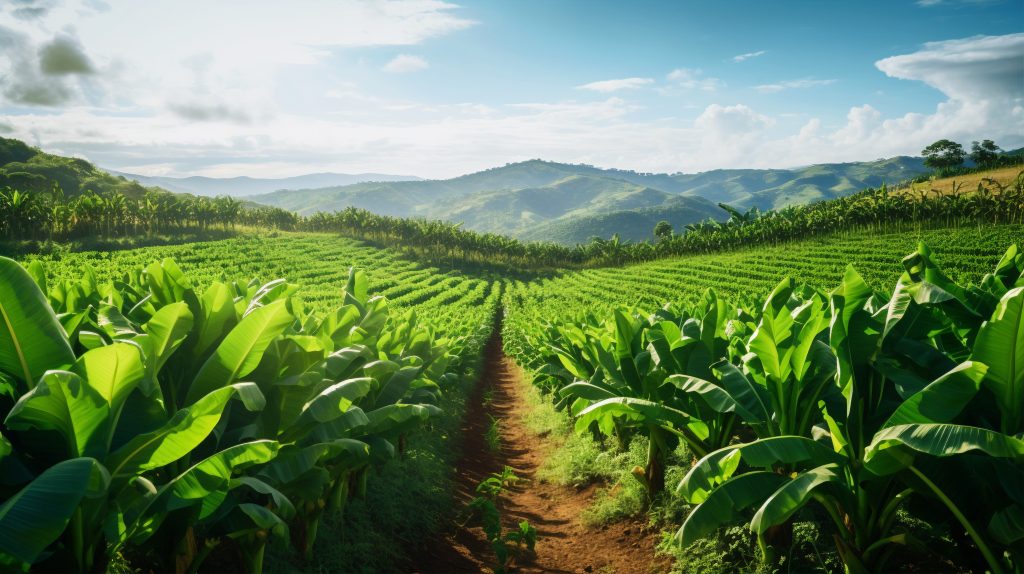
x: 317, y: 262
x: 965, y: 254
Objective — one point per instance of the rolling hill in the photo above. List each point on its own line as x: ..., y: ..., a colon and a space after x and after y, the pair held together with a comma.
x: 239, y: 186
x: 541, y: 200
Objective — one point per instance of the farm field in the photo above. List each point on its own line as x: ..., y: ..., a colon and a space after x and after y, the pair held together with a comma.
x: 966, y: 254
x: 317, y: 263
x: 1005, y: 176
x: 559, y: 485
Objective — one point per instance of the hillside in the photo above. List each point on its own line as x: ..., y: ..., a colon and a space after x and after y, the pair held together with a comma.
x: 776, y: 188
x: 631, y: 225
x: 568, y: 203
x: 239, y: 186
x: 29, y: 169
x: 577, y: 201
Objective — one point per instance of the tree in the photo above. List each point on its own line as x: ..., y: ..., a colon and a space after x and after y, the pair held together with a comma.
x: 985, y: 154
x: 943, y: 154
x: 663, y: 230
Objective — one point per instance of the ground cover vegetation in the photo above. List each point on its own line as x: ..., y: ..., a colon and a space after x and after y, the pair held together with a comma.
x: 121, y: 437
x: 846, y: 408
x: 793, y: 371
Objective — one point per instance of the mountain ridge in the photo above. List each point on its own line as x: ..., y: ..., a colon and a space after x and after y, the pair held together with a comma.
x: 240, y: 186
x: 516, y: 199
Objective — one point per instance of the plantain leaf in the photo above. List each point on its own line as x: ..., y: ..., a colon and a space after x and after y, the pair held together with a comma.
x: 719, y: 466
x: 639, y: 410
x: 792, y: 496
x: 330, y: 404
x: 724, y: 504
x: 62, y: 401
x: 180, y: 435
x: 167, y: 329
x: 240, y: 352
x: 32, y: 341
x: 935, y: 440
x: 36, y: 516
x: 1007, y: 525
x: 943, y: 399
x: 1000, y: 345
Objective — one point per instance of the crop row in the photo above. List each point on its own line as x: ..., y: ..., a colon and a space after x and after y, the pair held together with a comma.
x: 161, y: 416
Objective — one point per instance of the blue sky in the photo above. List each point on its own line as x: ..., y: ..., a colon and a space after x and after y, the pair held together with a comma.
x: 438, y: 89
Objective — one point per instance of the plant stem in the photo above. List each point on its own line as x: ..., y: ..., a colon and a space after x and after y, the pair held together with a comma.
x: 985, y: 551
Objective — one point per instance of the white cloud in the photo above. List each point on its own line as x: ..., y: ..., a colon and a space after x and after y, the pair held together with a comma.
x: 977, y: 68
x: 204, y: 111
x: 792, y: 85
x: 747, y: 56
x: 404, y: 63
x: 606, y: 86
x: 693, y: 79
x: 198, y: 49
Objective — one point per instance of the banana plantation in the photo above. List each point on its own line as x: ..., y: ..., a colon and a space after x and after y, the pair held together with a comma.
x: 805, y: 395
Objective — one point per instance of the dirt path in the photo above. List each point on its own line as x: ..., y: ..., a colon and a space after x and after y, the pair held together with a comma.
x: 564, y: 543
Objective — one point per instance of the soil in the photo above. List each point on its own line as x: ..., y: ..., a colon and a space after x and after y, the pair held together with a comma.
x: 564, y: 543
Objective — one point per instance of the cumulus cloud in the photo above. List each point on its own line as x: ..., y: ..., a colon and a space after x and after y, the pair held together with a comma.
x: 24, y: 81
x: 693, y: 79
x: 792, y: 85
x: 616, y: 85
x: 747, y: 56
x: 404, y: 63
x: 64, y: 55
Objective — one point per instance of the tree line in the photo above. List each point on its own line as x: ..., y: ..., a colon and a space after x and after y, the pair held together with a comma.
x: 54, y: 216
x: 877, y: 210
x: 947, y: 157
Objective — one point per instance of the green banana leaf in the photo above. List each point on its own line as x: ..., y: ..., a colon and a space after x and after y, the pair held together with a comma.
x: 719, y: 466
x: 792, y: 496
x: 942, y: 400
x: 240, y: 352
x: 37, y: 515
x: 32, y: 341
x: 893, y: 449
x: 180, y: 435
x: 726, y: 502
x: 1000, y: 345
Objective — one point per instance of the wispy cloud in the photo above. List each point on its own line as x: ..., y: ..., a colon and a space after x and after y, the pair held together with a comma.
x: 606, y: 86
x: 693, y: 79
x: 747, y: 56
x: 930, y: 3
x: 792, y: 85
x: 404, y: 63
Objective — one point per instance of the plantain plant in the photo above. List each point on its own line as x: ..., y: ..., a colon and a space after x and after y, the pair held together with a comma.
x: 136, y: 417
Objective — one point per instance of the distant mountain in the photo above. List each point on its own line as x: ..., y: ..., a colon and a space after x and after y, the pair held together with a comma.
x: 776, y: 188
x: 570, y: 203
x: 526, y: 212
x: 632, y: 225
x: 239, y: 186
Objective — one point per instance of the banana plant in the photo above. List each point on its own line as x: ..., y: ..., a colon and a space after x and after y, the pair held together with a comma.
x: 133, y: 415
x: 953, y: 463
x: 883, y: 353
x: 626, y: 391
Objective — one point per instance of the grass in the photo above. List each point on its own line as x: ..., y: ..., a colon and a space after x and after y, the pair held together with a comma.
x: 493, y: 434
x: 963, y: 183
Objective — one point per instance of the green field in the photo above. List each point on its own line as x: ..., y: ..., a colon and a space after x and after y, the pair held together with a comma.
x: 457, y: 307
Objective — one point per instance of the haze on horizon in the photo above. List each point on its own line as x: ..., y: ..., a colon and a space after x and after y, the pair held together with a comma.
x: 438, y: 89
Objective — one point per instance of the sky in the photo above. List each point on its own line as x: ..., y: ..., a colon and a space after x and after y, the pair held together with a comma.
x: 438, y: 89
